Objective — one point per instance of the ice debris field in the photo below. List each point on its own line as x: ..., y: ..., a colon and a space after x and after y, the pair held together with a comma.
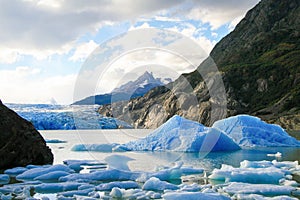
x: 182, y: 135
x: 113, y: 179
x: 252, y: 180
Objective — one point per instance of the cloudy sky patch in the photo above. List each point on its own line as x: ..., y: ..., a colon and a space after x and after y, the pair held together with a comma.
x: 44, y: 43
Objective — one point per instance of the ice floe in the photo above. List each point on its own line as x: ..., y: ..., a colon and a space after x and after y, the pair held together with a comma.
x: 249, y: 131
x: 262, y: 180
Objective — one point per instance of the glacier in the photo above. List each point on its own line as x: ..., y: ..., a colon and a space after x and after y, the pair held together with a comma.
x: 249, y: 131
x: 66, y: 117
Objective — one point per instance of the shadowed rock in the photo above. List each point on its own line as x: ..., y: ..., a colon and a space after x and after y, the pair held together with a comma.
x: 20, y: 143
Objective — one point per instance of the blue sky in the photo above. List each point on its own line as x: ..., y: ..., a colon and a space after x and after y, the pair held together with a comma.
x: 45, y: 43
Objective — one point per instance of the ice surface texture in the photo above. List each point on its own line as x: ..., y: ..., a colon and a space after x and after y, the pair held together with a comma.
x: 59, y: 117
x: 250, y: 131
x: 180, y: 134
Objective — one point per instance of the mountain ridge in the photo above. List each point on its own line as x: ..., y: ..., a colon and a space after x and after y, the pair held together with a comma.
x: 259, y: 63
x: 131, y: 89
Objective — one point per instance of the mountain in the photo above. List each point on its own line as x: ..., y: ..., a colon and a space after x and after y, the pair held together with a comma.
x: 259, y: 65
x: 130, y: 90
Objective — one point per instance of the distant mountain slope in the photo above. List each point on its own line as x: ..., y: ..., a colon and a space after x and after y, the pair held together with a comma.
x: 260, y: 66
x: 129, y: 90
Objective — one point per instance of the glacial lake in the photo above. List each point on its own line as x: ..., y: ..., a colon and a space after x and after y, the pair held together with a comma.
x: 147, y: 161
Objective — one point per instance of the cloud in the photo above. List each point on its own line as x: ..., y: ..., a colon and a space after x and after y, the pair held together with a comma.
x: 170, y: 52
x: 83, y: 51
x: 23, y: 85
x: 49, y: 26
x: 35, y: 24
x: 8, y: 56
x: 219, y: 12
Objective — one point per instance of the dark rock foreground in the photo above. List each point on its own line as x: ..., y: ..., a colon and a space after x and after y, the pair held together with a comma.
x: 20, y: 143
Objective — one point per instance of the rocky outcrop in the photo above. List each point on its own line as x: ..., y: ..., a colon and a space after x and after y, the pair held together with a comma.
x: 20, y: 143
x: 259, y: 63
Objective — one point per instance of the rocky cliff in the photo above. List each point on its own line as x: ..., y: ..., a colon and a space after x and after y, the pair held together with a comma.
x: 20, y: 143
x: 259, y: 64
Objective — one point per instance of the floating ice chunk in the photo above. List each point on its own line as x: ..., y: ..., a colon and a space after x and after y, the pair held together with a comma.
x: 285, y: 164
x: 54, y: 141
x: 4, y: 179
x: 51, y: 176
x: 260, y: 197
x: 288, y: 183
x: 264, y: 164
x: 103, y: 175
x: 190, y: 187
x: 277, y: 155
x: 122, y: 185
x: 131, y: 194
x: 35, y: 172
x: 116, y: 193
x: 263, y: 189
x: 77, y: 192
x: 56, y: 187
x: 179, y: 134
x: 227, y: 173
x: 172, y: 173
x: 193, y: 196
x: 157, y: 185
x: 256, y: 164
x: 247, y: 130
x: 15, y: 171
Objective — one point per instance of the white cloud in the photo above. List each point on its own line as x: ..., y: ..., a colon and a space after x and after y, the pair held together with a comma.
x: 22, y: 85
x: 219, y: 12
x: 83, y: 51
x: 49, y: 25
x: 8, y: 56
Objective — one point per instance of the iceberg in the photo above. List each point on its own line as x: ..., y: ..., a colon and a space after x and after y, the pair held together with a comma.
x: 248, y: 131
x: 182, y: 135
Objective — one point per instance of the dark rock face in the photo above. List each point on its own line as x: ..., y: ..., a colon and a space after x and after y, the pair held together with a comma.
x: 20, y: 143
x: 259, y: 63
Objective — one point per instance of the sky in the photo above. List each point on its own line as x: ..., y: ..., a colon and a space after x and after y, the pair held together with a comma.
x: 59, y: 51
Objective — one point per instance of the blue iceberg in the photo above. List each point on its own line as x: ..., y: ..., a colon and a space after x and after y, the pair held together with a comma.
x: 180, y: 134
x: 249, y: 131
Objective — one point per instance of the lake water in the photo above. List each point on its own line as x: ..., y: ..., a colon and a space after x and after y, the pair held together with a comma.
x: 147, y: 161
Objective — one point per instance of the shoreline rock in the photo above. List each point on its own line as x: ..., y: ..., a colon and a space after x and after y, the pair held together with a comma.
x: 20, y: 143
